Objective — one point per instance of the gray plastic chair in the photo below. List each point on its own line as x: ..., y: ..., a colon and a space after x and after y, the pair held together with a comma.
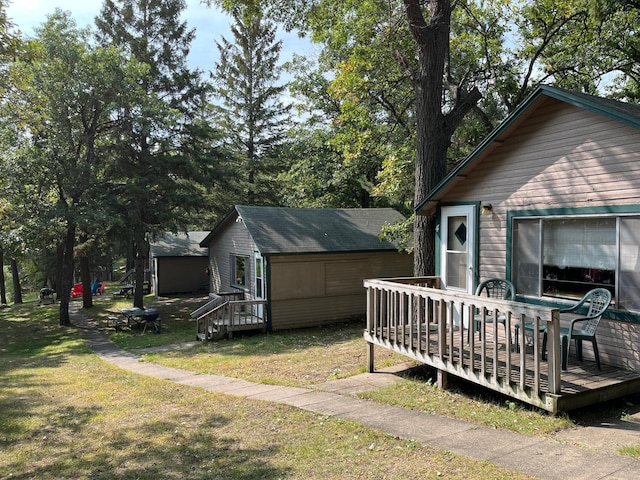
x: 584, y: 327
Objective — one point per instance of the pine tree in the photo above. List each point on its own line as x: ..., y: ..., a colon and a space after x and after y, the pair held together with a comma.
x: 164, y: 152
x: 252, y: 114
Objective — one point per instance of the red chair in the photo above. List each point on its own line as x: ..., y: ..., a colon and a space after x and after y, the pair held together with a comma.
x: 76, y: 291
x: 100, y: 289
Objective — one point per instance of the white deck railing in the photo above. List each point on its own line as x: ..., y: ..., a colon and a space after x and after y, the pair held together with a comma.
x: 413, y: 316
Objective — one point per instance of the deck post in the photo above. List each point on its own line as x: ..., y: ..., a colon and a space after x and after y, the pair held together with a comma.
x: 553, y: 352
x: 370, y: 359
x: 442, y: 379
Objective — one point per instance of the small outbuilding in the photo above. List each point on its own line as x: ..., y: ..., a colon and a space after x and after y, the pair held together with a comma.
x: 178, y: 264
x: 307, y: 263
x: 551, y: 201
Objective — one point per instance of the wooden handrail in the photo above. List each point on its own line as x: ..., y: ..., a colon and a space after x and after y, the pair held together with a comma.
x: 405, y: 315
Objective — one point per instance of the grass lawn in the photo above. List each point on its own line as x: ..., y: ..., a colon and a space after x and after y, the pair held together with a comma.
x: 312, y: 356
x: 64, y: 413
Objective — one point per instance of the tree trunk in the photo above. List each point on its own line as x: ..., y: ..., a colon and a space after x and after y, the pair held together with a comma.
x: 141, y: 255
x: 432, y: 44
x: 59, y: 262
x: 85, y: 275
x: 17, y: 290
x: 3, y: 288
x: 434, y: 128
x: 67, y: 275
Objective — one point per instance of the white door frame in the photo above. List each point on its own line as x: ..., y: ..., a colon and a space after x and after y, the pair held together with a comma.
x: 460, y: 245
x: 259, y: 282
x: 469, y: 246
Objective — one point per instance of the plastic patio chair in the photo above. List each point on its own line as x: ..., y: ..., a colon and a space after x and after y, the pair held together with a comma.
x: 493, y: 288
x: 101, y: 288
x: 76, y: 291
x: 584, y: 327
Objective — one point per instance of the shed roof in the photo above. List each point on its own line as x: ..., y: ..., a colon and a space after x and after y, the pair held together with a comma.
x: 179, y: 245
x: 626, y: 113
x: 280, y: 230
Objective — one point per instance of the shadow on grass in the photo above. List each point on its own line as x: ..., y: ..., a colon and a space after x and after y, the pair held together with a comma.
x: 64, y: 414
x: 153, y: 450
x: 179, y: 327
x: 611, y: 412
x: 247, y: 344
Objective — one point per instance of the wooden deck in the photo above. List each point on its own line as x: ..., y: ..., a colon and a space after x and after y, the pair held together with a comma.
x: 415, y: 318
x: 221, y: 316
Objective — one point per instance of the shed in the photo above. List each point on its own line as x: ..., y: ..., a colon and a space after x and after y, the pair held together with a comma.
x: 551, y: 201
x: 307, y: 263
x: 178, y: 263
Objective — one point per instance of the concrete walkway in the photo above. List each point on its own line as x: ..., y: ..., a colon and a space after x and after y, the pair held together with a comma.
x: 535, y: 456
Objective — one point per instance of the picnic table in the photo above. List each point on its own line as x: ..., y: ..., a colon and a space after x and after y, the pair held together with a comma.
x: 46, y: 296
x: 126, y: 291
x: 138, y: 317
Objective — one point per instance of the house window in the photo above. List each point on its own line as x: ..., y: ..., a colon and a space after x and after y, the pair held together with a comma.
x: 239, y: 271
x: 567, y: 257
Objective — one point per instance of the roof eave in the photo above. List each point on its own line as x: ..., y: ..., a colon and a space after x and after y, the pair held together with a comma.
x: 231, y: 216
x: 428, y: 205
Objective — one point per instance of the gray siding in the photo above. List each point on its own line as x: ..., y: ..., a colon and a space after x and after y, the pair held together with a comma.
x: 561, y: 156
x: 233, y: 240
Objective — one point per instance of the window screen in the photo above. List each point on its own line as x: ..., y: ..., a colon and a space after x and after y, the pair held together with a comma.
x: 629, y: 283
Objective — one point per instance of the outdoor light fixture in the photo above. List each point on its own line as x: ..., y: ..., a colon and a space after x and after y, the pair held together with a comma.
x: 487, y: 208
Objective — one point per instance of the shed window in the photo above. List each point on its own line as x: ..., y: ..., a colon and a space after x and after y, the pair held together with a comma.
x: 567, y: 257
x: 239, y: 271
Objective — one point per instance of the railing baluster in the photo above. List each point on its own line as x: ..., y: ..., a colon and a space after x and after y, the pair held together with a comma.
x: 460, y: 309
x: 536, y: 353
x: 523, y: 356
x: 483, y: 341
x: 409, y: 314
x: 508, y: 348
x: 442, y: 329
x: 496, y: 313
x: 554, y: 355
x: 401, y: 316
x: 471, y: 338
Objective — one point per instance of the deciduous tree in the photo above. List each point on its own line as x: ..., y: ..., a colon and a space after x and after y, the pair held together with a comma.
x: 63, y: 112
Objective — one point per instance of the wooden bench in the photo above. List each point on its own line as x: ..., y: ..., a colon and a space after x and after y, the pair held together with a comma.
x: 116, y: 322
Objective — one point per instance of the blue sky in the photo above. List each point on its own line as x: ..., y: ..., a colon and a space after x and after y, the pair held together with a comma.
x: 210, y: 25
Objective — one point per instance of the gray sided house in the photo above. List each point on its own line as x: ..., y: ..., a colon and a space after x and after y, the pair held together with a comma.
x: 551, y: 201
x: 308, y: 264
x: 178, y: 263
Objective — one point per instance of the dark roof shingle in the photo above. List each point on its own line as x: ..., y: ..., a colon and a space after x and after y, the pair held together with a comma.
x: 179, y: 245
x: 278, y: 230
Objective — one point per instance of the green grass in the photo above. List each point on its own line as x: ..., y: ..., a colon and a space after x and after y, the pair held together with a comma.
x: 64, y: 413
x: 418, y: 391
x: 631, y: 451
x: 313, y: 356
